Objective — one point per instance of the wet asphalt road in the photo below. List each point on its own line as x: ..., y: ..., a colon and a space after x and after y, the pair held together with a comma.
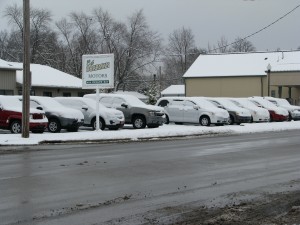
x: 126, y: 183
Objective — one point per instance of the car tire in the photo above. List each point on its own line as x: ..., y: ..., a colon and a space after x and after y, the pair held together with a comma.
x: 204, y: 121
x: 15, y: 127
x: 54, y: 126
x: 139, y: 122
x: 101, y: 124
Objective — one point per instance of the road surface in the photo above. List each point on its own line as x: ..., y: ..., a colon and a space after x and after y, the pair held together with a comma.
x: 143, y: 182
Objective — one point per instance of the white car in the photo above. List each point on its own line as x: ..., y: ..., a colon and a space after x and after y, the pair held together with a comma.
x: 192, y: 110
x: 258, y: 114
x: 237, y: 114
x: 276, y: 113
x: 109, y: 118
x: 294, y: 111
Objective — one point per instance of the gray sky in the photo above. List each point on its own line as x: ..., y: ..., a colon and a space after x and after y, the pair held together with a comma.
x: 208, y: 19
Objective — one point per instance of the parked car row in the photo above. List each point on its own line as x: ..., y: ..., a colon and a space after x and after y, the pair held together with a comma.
x: 115, y: 110
x: 72, y: 112
x: 220, y: 111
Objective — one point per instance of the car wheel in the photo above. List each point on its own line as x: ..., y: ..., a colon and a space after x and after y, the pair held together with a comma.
x: 101, y: 124
x: 139, y: 122
x: 204, y: 121
x: 54, y: 126
x: 16, y: 127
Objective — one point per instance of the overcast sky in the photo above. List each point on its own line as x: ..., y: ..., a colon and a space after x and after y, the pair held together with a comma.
x: 208, y: 19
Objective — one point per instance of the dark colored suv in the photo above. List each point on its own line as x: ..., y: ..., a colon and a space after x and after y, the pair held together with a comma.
x: 11, y: 116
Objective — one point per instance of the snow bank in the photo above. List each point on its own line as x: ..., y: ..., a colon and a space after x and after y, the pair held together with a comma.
x: 130, y: 134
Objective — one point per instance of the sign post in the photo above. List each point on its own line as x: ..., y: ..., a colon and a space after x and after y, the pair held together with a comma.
x: 98, y: 73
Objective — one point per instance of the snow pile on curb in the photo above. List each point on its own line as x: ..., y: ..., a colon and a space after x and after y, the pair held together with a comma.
x: 131, y: 134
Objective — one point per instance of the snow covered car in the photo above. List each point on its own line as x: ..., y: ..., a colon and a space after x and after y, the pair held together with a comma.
x: 111, y: 118
x: 237, y: 114
x: 192, y: 110
x: 294, y: 111
x: 11, y: 116
x: 258, y: 114
x: 59, y: 116
x: 135, y: 111
x: 276, y: 113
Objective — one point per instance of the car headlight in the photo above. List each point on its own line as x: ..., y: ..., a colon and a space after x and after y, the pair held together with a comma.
x: 152, y: 113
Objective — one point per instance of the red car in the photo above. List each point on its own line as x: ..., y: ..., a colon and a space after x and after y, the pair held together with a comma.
x: 11, y: 116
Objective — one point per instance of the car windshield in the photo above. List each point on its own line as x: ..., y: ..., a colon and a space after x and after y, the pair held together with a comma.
x: 264, y: 102
x: 245, y: 103
x: 47, y: 102
x: 91, y: 103
x: 227, y: 103
x: 203, y: 103
x: 283, y: 102
x: 10, y: 102
x: 132, y: 100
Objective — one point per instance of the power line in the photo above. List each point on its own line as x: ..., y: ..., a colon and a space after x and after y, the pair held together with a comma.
x: 262, y: 29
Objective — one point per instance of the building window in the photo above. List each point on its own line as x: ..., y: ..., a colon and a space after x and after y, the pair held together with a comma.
x: 273, y: 93
x: 47, y: 93
x: 67, y: 94
x: 32, y: 92
x: 6, y: 92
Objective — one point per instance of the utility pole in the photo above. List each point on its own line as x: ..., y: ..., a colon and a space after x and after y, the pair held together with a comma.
x: 26, y: 69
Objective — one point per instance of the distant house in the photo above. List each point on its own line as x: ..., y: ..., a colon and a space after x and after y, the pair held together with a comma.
x: 245, y: 74
x: 8, y: 78
x: 45, y: 80
x: 174, y: 90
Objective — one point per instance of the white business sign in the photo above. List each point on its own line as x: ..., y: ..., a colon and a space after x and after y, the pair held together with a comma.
x: 98, y: 71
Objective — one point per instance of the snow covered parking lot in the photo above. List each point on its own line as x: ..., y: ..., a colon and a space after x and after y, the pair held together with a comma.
x: 128, y: 133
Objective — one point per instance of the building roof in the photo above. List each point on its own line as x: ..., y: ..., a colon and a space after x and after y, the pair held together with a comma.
x: 174, y: 90
x: 46, y: 76
x: 9, y: 66
x: 243, y: 64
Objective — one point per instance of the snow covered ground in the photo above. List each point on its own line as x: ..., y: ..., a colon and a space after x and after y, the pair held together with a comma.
x: 128, y: 133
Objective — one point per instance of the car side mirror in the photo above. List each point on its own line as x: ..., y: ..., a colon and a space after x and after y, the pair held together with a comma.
x: 39, y: 108
x: 85, y: 107
x: 124, y: 105
x: 196, y: 107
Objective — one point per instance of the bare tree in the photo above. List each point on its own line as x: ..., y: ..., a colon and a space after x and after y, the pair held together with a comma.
x: 43, y: 39
x: 242, y: 45
x: 78, y: 38
x: 134, y: 45
x: 223, y: 46
x: 180, y: 54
